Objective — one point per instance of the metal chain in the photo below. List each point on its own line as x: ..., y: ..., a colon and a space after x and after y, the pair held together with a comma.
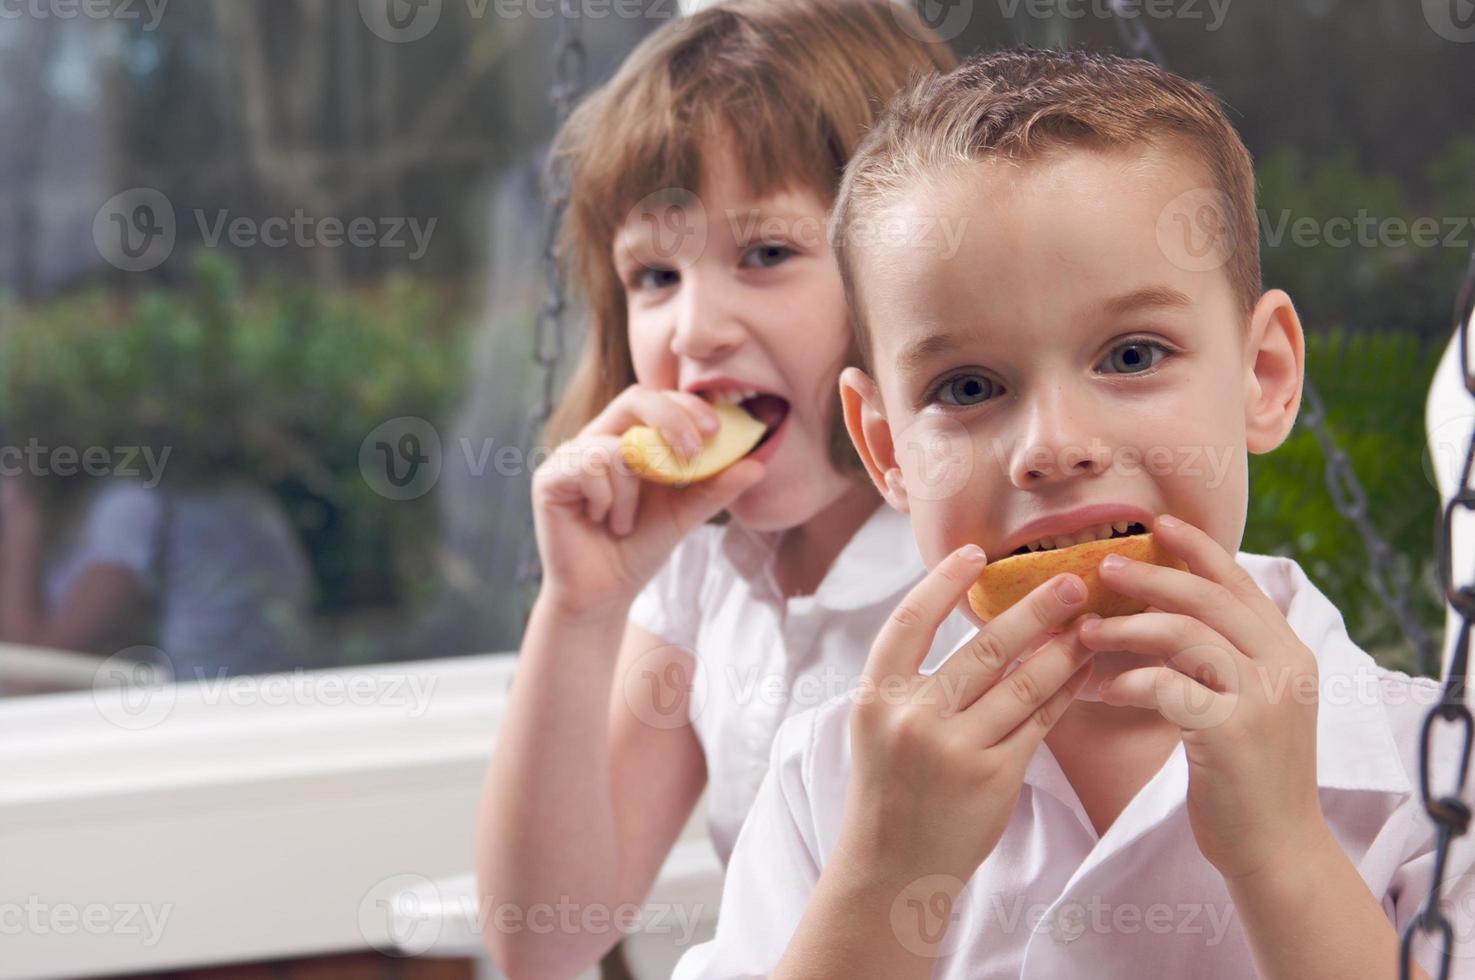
x: 570, y: 62
x: 1390, y: 581
x: 1451, y: 815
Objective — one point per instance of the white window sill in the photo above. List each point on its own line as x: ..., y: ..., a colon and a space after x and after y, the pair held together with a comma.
x: 218, y: 823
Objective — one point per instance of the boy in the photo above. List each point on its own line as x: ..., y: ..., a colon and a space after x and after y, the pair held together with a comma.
x: 1221, y: 786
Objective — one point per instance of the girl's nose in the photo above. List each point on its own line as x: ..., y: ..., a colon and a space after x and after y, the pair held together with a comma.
x: 708, y: 325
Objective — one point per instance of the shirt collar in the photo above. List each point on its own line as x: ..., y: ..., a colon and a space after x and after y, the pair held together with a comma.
x: 879, y: 560
x: 1356, y: 749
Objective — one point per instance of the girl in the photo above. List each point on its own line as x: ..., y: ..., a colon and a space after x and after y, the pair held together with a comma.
x: 663, y: 651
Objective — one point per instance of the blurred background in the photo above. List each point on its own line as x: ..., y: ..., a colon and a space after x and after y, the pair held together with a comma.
x: 253, y: 255
x: 271, y: 272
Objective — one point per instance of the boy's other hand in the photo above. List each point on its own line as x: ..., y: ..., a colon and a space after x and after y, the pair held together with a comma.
x: 939, y: 760
x: 1242, y: 688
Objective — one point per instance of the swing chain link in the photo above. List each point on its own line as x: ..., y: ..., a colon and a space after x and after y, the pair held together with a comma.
x: 570, y: 64
x: 1451, y: 815
x: 1390, y: 581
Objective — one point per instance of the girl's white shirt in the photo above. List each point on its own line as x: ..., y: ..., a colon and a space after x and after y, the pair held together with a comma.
x: 1055, y: 899
x: 760, y: 657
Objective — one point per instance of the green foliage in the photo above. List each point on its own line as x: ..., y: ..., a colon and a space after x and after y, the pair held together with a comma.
x: 1375, y: 387
x: 1399, y: 269
x: 277, y: 384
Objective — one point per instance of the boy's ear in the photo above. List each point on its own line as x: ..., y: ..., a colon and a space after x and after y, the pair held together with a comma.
x: 1276, y: 361
x: 865, y: 420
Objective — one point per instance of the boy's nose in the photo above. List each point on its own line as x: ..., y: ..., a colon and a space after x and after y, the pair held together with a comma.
x: 1061, y: 441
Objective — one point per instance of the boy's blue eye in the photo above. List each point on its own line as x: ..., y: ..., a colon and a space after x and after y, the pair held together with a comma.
x: 963, y: 390
x: 1137, y: 362
x: 767, y: 255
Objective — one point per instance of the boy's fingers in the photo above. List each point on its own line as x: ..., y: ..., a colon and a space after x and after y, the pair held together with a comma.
x: 1002, y: 640
x: 1022, y: 742
x: 1011, y: 701
x: 907, y: 635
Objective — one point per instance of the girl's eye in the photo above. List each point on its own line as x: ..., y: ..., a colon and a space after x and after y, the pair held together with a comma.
x: 1133, y: 360
x: 649, y: 277
x: 963, y: 390
x: 767, y: 255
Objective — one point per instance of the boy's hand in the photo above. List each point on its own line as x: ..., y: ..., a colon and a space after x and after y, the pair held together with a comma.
x: 1240, y: 685
x: 939, y: 760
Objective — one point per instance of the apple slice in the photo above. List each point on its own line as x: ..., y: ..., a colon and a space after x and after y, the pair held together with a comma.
x: 1004, y: 582
x: 651, y: 458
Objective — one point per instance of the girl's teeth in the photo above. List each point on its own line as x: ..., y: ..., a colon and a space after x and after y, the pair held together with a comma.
x: 732, y: 395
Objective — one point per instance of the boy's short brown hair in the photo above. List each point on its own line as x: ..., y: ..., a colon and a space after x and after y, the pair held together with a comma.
x: 1024, y: 101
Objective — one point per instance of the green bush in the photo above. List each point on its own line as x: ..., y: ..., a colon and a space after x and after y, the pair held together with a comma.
x: 1374, y: 387
x: 278, y: 384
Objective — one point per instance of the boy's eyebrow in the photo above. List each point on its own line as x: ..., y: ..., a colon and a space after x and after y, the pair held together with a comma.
x: 1144, y: 298
x: 916, y: 354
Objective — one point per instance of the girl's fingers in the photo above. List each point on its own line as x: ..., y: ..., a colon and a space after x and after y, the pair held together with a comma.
x: 639, y: 405
x: 1011, y: 634
x: 701, y: 411
x: 1011, y: 701
x: 626, y: 488
x: 908, y: 632
x: 594, y: 483
x: 689, y: 506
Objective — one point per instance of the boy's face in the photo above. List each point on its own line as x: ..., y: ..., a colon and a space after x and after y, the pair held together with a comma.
x: 1065, y: 355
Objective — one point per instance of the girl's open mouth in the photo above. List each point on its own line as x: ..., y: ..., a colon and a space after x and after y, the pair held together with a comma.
x: 771, y: 410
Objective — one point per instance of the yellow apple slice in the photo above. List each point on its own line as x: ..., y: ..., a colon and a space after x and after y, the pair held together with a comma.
x: 651, y: 458
x: 1004, y: 582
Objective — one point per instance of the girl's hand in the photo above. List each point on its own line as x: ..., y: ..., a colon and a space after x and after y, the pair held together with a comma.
x: 1242, y: 688
x: 939, y: 760
x: 602, y: 531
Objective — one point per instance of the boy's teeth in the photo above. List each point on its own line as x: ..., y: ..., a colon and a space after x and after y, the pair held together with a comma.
x: 1096, y: 533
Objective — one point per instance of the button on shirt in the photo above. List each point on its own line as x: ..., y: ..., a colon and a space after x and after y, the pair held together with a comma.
x: 760, y: 657
x: 1054, y: 899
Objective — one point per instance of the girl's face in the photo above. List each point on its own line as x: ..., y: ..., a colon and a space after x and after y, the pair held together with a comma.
x: 728, y: 294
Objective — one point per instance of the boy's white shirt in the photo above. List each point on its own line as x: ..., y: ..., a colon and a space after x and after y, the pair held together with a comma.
x: 761, y: 658
x: 1054, y: 900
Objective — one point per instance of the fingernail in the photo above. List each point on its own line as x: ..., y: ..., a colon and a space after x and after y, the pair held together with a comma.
x: 1113, y: 562
x: 972, y: 553
x: 691, y: 444
x: 1167, y: 521
x: 1070, y: 589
